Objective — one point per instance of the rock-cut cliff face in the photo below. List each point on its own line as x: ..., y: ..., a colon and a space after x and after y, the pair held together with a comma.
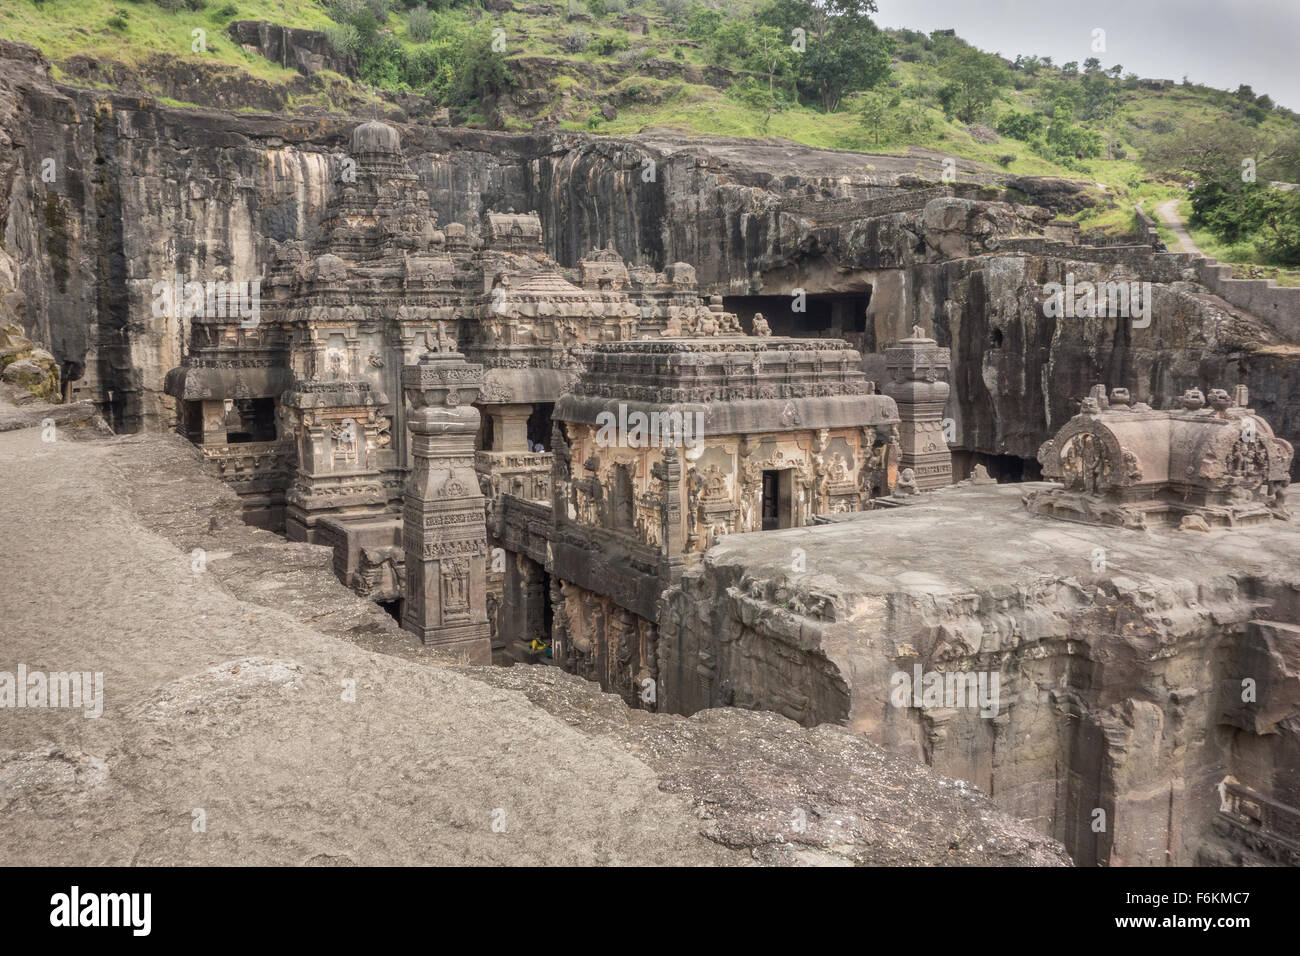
x: 102, y: 195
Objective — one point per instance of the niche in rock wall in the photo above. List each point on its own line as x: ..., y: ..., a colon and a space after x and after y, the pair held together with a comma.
x: 623, y: 496
x: 1005, y: 468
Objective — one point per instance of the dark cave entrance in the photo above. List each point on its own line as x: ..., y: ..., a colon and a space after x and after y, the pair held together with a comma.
x: 548, y: 613
x: 1007, y: 469
x: 256, y: 420
x: 834, y: 315
x: 247, y: 420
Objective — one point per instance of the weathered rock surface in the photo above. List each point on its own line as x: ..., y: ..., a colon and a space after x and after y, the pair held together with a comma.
x: 23, y: 363
x: 20, y: 408
x: 228, y: 675
x: 307, y: 51
x: 1120, y: 657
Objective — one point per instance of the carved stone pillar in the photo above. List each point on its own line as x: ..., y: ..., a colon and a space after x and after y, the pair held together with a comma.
x: 917, y: 371
x: 214, y: 423
x: 335, y: 424
x: 509, y: 427
x: 443, y: 529
x: 671, y: 534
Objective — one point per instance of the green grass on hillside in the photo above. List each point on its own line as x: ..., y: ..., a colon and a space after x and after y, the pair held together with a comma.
x: 131, y: 31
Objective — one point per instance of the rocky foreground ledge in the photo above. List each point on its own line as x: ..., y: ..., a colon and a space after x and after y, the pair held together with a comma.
x: 228, y: 735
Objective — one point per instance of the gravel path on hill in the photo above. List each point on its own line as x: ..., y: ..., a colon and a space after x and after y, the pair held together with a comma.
x: 1168, y: 213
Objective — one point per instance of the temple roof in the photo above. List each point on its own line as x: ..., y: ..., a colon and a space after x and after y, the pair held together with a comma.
x: 376, y: 137
x: 208, y: 383
x: 746, y: 384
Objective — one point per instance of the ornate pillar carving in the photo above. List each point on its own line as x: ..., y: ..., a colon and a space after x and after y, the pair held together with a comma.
x: 671, y: 534
x: 917, y: 372
x: 444, y: 532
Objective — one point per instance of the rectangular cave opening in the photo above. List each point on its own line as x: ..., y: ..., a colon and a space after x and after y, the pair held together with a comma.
x: 548, y: 616
x: 826, y: 315
x: 192, y: 421
x: 526, y: 620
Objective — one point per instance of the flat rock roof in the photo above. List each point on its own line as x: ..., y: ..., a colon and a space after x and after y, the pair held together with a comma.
x: 966, y: 537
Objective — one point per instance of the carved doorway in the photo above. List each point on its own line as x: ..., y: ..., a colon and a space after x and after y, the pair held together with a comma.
x: 778, y: 503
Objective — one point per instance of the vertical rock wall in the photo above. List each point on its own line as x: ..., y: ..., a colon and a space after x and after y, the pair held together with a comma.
x: 142, y: 191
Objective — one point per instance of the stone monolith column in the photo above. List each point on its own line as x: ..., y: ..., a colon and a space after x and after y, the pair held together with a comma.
x: 443, y: 529
x: 917, y: 368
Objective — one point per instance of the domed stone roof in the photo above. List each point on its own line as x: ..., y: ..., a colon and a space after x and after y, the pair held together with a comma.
x: 376, y: 137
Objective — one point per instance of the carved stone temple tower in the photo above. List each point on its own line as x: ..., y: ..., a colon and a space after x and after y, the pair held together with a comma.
x: 444, y: 533
x: 917, y: 371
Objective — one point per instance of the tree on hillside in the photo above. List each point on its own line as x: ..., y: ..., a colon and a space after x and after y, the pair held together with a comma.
x: 874, y: 115
x: 1021, y: 126
x: 819, y: 18
x: 703, y: 22
x: 975, y: 79
x: 770, y: 54
x: 1028, y: 64
x: 1283, y: 162
x: 484, y: 73
x: 889, y: 120
x: 846, y: 51
x: 1205, y: 152
x: 732, y: 42
x: 1279, y: 234
x: 1066, y: 138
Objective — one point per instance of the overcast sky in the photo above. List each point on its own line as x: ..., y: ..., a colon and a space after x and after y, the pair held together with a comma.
x: 1221, y: 43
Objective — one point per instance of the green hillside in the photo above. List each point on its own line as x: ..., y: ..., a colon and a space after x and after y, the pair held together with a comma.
x: 620, y: 66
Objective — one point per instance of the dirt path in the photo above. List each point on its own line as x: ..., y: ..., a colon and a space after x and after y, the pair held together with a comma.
x: 1167, y: 212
